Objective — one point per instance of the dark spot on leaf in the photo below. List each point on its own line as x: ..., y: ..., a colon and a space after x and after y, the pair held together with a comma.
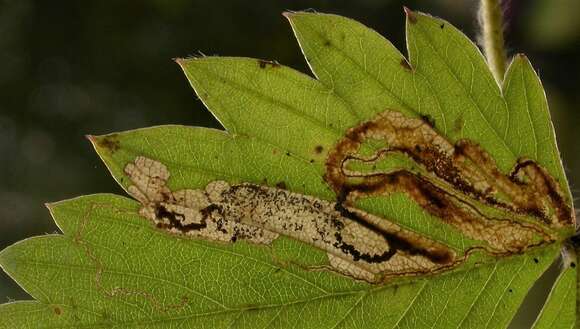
x: 57, y: 310
x: 442, y: 26
x: 281, y: 185
x: 311, y: 160
x: 288, y: 153
x: 264, y: 64
x: 327, y: 43
x: 176, y: 219
x: 428, y: 120
x: 318, y: 149
x: 511, y: 290
x: 110, y: 143
x: 536, y: 260
x: 406, y: 65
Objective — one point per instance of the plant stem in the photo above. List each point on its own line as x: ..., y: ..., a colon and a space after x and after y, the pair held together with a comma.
x: 491, y: 20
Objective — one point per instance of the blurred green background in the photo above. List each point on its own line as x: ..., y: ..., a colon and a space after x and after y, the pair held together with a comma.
x: 70, y: 68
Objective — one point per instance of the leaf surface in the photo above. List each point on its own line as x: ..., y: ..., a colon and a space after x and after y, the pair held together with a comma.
x: 560, y: 308
x: 113, y: 268
x: 529, y: 118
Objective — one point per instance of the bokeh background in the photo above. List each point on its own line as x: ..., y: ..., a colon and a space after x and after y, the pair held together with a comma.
x: 70, y: 68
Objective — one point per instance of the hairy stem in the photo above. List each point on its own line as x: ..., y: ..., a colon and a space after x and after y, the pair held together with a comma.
x: 491, y: 20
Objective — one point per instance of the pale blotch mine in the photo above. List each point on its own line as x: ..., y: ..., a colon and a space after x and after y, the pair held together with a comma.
x: 259, y: 214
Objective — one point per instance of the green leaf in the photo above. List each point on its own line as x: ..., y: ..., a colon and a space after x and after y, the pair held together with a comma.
x: 197, y: 156
x: 529, y: 118
x: 112, y: 269
x: 472, y: 100
x: 560, y: 308
x: 117, y: 266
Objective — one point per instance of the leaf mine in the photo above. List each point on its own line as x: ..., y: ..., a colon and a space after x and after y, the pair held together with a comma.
x: 358, y: 244
x: 457, y: 183
x: 458, y: 188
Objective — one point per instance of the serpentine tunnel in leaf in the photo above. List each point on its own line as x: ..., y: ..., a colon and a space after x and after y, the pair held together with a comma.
x: 365, y: 193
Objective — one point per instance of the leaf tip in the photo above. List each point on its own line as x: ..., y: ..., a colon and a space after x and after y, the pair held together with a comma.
x: 518, y: 60
x: 183, y: 62
x: 93, y: 140
x: 521, y: 56
x: 109, y: 143
x: 51, y: 206
x: 411, y: 16
x: 179, y: 60
x: 288, y: 14
x: 291, y: 15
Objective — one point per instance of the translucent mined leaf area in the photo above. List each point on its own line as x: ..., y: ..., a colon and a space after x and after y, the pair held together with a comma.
x: 125, y: 262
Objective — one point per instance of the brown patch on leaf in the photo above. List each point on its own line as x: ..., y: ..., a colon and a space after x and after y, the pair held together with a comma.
x: 281, y: 185
x: 458, y: 183
x: 358, y: 244
x: 318, y: 149
x: 57, y: 310
x: 428, y: 120
x: 109, y: 142
x: 454, y: 183
x: 264, y: 64
x: 189, y: 212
